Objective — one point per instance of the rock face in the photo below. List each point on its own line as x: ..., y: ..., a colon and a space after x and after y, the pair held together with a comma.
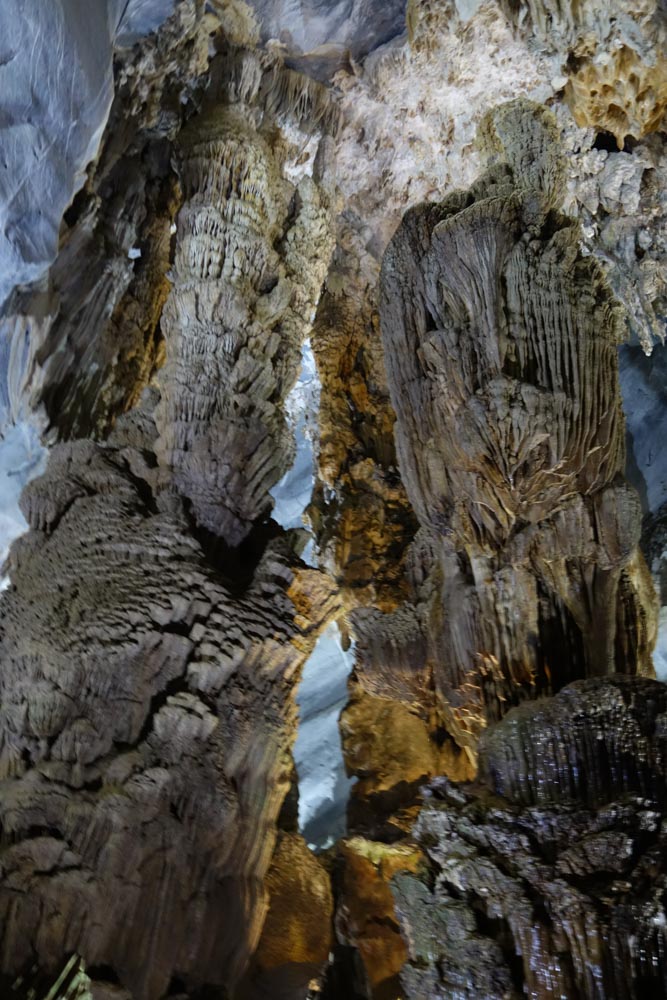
x: 559, y: 890
x: 471, y: 506
x: 297, y: 934
x: 43, y: 157
x: 147, y: 716
x: 236, y: 318
x: 500, y: 340
x: 46, y: 152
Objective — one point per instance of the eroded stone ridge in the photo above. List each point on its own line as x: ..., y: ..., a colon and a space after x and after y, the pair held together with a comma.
x: 146, y: 721
x: 500, y: 342
x: 563, y: 897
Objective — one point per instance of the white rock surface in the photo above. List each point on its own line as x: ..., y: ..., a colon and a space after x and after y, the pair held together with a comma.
x: 304, y: 25
x: 140, y: 17
x: 56, y: 87
x: 22, y: 457
x: 324, y: 788
x: 660, y: 653
x: 293, y: 492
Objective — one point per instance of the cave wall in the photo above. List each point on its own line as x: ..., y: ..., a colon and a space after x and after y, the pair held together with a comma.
x: 271, y: 174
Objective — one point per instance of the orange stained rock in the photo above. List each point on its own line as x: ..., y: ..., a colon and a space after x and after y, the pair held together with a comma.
x: 619, y: 92
x: 367, y: 916
x: 315, y: 598
x: 298, y: 926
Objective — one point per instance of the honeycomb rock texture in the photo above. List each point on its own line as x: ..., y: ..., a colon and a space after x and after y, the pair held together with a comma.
x: 561, y: 890
x: 147, y: 717
x: 612, y: 55
x: 500, y: 344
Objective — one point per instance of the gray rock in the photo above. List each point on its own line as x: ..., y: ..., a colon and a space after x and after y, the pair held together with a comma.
x: 140, y: 17
x: 56, y: 87
x: 359, y: 25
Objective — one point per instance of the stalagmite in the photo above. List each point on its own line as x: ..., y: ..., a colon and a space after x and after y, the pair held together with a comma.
x: 500, y: 341
x: 146, y: 721
x: 246, y: 283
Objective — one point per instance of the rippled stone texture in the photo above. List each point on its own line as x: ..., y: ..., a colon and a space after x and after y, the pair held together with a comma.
x: 146, y: 722
x: 246, y: 284
x: 559, y: 891
x: 500, y: 341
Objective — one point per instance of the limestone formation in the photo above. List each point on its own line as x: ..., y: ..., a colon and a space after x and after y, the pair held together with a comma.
x: 236, y: 318
x: 85, y: 342
x: 470, y: 509
x: 612, y: 55
x: 559, y: 890
x: 500, y: 341
x: 147, y: 715
x: 366, y: 915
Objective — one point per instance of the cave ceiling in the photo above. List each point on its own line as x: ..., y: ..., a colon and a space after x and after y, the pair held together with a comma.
x: 333, y: 499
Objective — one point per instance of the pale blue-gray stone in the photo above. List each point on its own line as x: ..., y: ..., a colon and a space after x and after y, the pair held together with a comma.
x: 324, y: 788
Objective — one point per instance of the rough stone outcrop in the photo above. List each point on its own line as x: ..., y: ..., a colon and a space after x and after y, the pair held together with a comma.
x: 153, y: 632
x: 366, y: 917
x: 612, y: 56
x: 147, y: 717
x: 558, y: 889
x: 500, y: 343
x: 298, y: 931
x: 246, y: 284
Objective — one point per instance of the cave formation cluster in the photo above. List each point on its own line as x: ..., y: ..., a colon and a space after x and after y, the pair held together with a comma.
x: 460, y: 208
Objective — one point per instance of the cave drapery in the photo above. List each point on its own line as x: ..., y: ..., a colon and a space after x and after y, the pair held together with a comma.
x: 414, y: 256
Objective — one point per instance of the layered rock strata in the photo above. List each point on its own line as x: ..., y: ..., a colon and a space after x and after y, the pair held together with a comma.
x: 557, y: 888
x: 146, y: 722
x: 500, y: 341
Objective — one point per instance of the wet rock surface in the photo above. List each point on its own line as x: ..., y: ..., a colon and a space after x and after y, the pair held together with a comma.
x: 561, y: 897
